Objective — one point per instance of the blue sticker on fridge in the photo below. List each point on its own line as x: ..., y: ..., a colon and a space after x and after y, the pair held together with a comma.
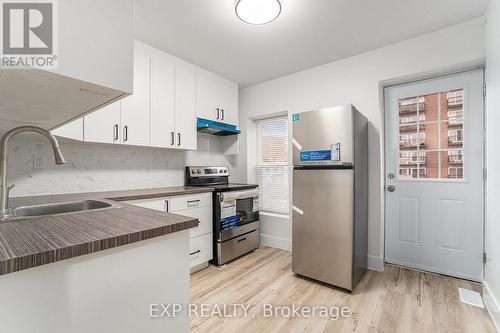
x: 316, y: 155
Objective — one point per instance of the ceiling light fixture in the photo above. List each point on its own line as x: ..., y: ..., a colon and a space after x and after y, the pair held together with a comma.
x: 257, y: 12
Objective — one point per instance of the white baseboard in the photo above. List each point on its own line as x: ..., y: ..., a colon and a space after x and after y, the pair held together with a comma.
x: 375, y: 263
x: 276, y: 242
x: 492, y: 305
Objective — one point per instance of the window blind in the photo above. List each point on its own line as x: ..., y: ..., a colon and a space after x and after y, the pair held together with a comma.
x: 272, y: 171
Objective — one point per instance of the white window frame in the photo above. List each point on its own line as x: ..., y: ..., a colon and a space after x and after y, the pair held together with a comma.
x: 268, y: 206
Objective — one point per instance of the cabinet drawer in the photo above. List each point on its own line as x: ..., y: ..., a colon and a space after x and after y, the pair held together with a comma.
x: 204, y: 215
x: 183, y: 202
x: 200, y: 249
x: 160, y: 204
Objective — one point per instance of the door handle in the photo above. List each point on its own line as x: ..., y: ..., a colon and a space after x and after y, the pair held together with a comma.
x: 391, y: 188
x: 178, y: 139
x: 222, y: 110
x: 125, y: 133
x: 115, y: 132
x: 218, y: 113
x: 195, y: 252
x: 172, y: 138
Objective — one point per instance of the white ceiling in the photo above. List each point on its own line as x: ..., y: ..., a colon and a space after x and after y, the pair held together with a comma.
x: 307, y: 34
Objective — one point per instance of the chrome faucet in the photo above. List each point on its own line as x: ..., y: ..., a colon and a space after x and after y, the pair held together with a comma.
x: 4, y: 189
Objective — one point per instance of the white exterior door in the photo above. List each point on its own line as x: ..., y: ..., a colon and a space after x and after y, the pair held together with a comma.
x: 434, y: 175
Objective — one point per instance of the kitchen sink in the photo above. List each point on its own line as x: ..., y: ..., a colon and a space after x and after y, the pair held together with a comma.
x: 58, y: 208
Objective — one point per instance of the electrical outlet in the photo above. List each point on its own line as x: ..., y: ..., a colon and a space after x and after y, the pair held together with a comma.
x: 38, y: 162
x: 166, y: 164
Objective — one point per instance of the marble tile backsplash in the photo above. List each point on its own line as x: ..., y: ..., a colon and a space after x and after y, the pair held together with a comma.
x: 94, y: 167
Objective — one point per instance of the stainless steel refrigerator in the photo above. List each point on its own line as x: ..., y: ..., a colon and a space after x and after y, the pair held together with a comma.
x: 330, y: 195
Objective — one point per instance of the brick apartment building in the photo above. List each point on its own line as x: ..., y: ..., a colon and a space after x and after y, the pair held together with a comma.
x: 431, y: 136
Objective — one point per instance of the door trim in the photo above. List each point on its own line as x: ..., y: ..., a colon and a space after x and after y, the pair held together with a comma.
x: 481, y: 68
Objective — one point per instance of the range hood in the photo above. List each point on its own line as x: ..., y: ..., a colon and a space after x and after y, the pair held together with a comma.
x: 216, y: 128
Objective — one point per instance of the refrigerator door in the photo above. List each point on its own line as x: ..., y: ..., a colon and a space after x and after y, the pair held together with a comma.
x: 316, y: 133
x: 323, y: 214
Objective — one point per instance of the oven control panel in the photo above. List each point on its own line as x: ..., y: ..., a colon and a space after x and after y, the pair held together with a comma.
x: 208, y: 171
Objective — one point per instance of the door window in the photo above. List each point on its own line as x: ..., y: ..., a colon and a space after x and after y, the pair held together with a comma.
x: 431, y: 136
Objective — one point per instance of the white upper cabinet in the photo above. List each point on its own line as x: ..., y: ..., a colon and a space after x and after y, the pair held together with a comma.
x: 162, y: 101
x: 216, y: 98
x: 103, y: 125
x: 207, y: 97
x: 135, y: 109
x: 72, y: 130
x: 228, y: 95
x: 173, y: 113
x: 94, y: 67
x: 185, y: 107
x: 162, y: 111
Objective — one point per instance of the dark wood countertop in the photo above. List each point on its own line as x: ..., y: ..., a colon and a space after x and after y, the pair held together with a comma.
x: 31, y: 242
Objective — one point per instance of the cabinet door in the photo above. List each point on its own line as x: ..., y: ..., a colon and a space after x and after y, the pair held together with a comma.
x: 103, y: 125
x: 228, y: 99
x: 200, y: 250
x: 207, y: 97
x: 135, y: 116
x: 185, y: 107
x: 162, y: 101
x: 72, y: 130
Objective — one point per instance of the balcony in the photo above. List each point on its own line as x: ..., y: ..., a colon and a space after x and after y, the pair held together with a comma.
x: 456, y: 101
x: 455, y: 140
x: 411, y: 107
x: 455, y: 161
x: 412, y: 143
x: 411, y: 160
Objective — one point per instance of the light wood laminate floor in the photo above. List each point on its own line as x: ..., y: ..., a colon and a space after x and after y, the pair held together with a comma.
x: 397, y: 300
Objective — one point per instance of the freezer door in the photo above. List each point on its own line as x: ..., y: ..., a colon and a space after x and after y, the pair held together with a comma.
x: 322, y: 130
x: 323, y: 215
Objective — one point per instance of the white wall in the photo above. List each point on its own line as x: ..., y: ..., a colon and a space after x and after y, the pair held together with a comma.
x: 358, y: 80
x: 492, y: 268
x: 94, y: 167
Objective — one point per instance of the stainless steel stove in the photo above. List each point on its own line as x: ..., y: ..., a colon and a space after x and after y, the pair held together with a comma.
x: 235, y: 212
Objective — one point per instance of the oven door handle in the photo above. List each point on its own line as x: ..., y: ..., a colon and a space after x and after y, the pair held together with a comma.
x: 248, y: 194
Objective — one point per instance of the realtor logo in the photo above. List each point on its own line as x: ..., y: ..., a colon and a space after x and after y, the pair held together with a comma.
x: 28, y: 32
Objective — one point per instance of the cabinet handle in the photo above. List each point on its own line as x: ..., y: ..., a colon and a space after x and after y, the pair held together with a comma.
x: 178, y: 139
x: 125, y: 133
x: 172, y: 136
x: 195, y: 252
x: 192, y: 203
x: 218, y: 113
x: 166, y: 206
x: 241, y: 240
x: 222, y: 114
x: 115, y: 132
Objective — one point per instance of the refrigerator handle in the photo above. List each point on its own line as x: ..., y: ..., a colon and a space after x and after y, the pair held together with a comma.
x: 297, y: 209
x: 296, y: 144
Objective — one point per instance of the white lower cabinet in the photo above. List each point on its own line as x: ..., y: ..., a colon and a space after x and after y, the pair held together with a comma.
x: 200, y: 207
x: 193, y: 205
x: 200, y: 251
